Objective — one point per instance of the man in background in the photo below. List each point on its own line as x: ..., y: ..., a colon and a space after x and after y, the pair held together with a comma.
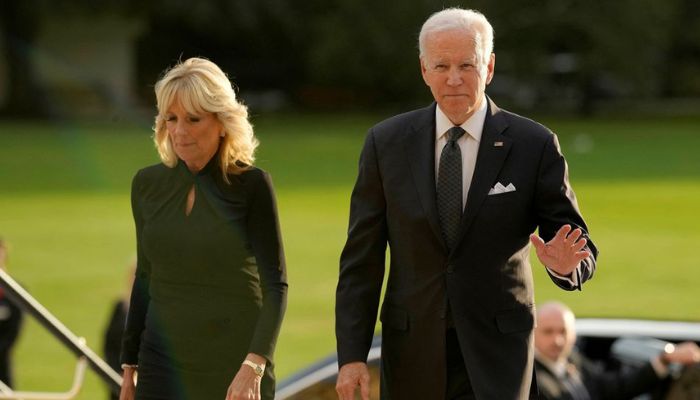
x: 565, y: 374
x: 10, y: 324
x: 115, y: 328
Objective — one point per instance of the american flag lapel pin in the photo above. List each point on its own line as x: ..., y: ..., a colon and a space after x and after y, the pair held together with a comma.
x: 497, y: 144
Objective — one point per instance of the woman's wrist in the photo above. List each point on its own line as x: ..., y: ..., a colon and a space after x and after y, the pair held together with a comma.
x: 256, y: 362
x: 256, y: 358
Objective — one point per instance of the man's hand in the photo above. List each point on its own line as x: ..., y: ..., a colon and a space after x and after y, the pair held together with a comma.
x: 349, y: 377
x: 564, y: 252
x: 685, y: 353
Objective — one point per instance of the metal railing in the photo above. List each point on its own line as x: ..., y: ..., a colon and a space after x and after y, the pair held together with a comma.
x: 6, y: 393
x: 86, y: 357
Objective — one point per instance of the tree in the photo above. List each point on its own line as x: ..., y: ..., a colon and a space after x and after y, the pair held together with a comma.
x: 19, y: 21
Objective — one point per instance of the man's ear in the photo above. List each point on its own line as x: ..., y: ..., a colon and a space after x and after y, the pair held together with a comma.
x: 490, y: 67
x: 423, y: 69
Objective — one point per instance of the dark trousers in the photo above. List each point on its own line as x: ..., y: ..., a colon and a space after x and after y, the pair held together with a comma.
x: 458, y: 385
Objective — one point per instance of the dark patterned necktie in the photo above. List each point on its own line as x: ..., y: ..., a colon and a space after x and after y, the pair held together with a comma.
x: 449, y: 187
x: 574, y: 385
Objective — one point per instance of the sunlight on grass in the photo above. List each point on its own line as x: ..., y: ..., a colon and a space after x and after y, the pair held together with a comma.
x: 64, y: 192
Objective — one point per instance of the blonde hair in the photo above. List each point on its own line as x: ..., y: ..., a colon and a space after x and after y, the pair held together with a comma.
x: 201, y: 86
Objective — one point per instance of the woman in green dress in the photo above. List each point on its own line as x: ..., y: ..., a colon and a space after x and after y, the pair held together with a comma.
x: 210, y: 288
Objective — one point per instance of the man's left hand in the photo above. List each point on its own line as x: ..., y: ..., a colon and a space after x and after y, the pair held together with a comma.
x: 564, y: 252
x: 685, y: 353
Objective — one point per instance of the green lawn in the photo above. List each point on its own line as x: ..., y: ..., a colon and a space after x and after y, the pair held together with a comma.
x: 64, y: 192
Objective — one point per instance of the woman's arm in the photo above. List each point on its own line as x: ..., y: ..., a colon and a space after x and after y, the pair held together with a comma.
x: 266, y: 240
x: 138, y: 306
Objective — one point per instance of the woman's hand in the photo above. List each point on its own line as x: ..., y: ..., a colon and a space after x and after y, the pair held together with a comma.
x: 128, y: 388
x: 246, y: 383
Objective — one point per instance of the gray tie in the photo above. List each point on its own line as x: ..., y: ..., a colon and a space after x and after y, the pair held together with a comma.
x: 449, y: 187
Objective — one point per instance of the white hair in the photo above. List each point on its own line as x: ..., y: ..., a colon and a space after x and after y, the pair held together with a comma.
x: 458, y: 18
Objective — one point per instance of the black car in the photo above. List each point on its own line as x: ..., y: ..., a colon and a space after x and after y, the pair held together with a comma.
x: 615, y: 343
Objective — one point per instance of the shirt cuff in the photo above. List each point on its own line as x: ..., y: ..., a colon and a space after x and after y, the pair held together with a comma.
x: 572, y: 278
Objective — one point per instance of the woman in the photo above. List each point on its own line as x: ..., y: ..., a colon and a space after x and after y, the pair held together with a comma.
x: 210, y: 287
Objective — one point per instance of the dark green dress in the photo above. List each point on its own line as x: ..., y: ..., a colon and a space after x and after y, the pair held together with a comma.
x: 210, y: 286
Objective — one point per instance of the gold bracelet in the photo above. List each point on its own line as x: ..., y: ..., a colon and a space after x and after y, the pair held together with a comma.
x: 259, y: 369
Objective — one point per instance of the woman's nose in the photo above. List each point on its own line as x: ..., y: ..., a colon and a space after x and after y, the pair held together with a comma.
x: 180, y: 128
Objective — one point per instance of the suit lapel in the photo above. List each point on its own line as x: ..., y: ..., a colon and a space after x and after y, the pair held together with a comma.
x: 493, y: 149
x: 420, y: 150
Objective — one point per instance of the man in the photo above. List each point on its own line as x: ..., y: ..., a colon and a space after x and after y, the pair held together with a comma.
x: 563, y: 373
x: 10, y: 325
x: 112, y: 344
x: 456, y: 189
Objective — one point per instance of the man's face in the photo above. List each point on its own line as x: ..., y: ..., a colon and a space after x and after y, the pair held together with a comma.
x: 555, y: 335
x: 453, y: 71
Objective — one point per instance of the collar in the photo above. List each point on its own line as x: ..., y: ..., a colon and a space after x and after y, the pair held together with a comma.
x: 212, y: 166
x: 558, y: 368
x: 474, y: 126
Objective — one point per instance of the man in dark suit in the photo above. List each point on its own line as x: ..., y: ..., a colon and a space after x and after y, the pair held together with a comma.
x: 456, y: 190
x: 10, y: 325
x: 565, y: 374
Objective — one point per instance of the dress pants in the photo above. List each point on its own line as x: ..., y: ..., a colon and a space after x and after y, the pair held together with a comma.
x: 458, y: 385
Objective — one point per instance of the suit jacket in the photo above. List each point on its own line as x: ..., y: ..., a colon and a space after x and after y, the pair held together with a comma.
x: 11, y: 317
x: 113, y: 339
x: 486, y: 278
x: 595, y: 382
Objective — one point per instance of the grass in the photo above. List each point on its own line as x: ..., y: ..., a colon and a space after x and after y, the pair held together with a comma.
x: 64, y: 191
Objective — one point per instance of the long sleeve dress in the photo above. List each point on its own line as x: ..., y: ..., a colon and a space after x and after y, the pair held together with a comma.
x: 210, y: 285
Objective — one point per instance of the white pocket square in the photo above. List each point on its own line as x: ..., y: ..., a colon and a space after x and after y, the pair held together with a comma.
x: 498, y: 188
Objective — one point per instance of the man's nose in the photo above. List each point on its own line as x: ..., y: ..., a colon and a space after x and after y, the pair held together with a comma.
x: 454, y: 78
x: 560, y: 340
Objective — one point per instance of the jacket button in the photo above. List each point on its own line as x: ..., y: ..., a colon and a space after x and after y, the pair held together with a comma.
x: 450, y: 268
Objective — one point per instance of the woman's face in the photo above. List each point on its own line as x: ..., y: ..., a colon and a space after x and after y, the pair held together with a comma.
x: 194, y: 137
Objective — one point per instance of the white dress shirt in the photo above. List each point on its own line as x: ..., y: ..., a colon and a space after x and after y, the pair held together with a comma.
x: 468, y: 143
x: 469, y: 146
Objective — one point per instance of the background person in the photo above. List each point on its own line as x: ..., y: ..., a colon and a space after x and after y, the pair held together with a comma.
x: 565, y: 374
x: 10, y: 325
x: 210, y: 287
x: 457, y: 190
x: 115, y: 328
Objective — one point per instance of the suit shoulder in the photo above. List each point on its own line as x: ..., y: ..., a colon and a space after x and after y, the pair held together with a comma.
x: 525, y: 126
x: 403, y: 121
